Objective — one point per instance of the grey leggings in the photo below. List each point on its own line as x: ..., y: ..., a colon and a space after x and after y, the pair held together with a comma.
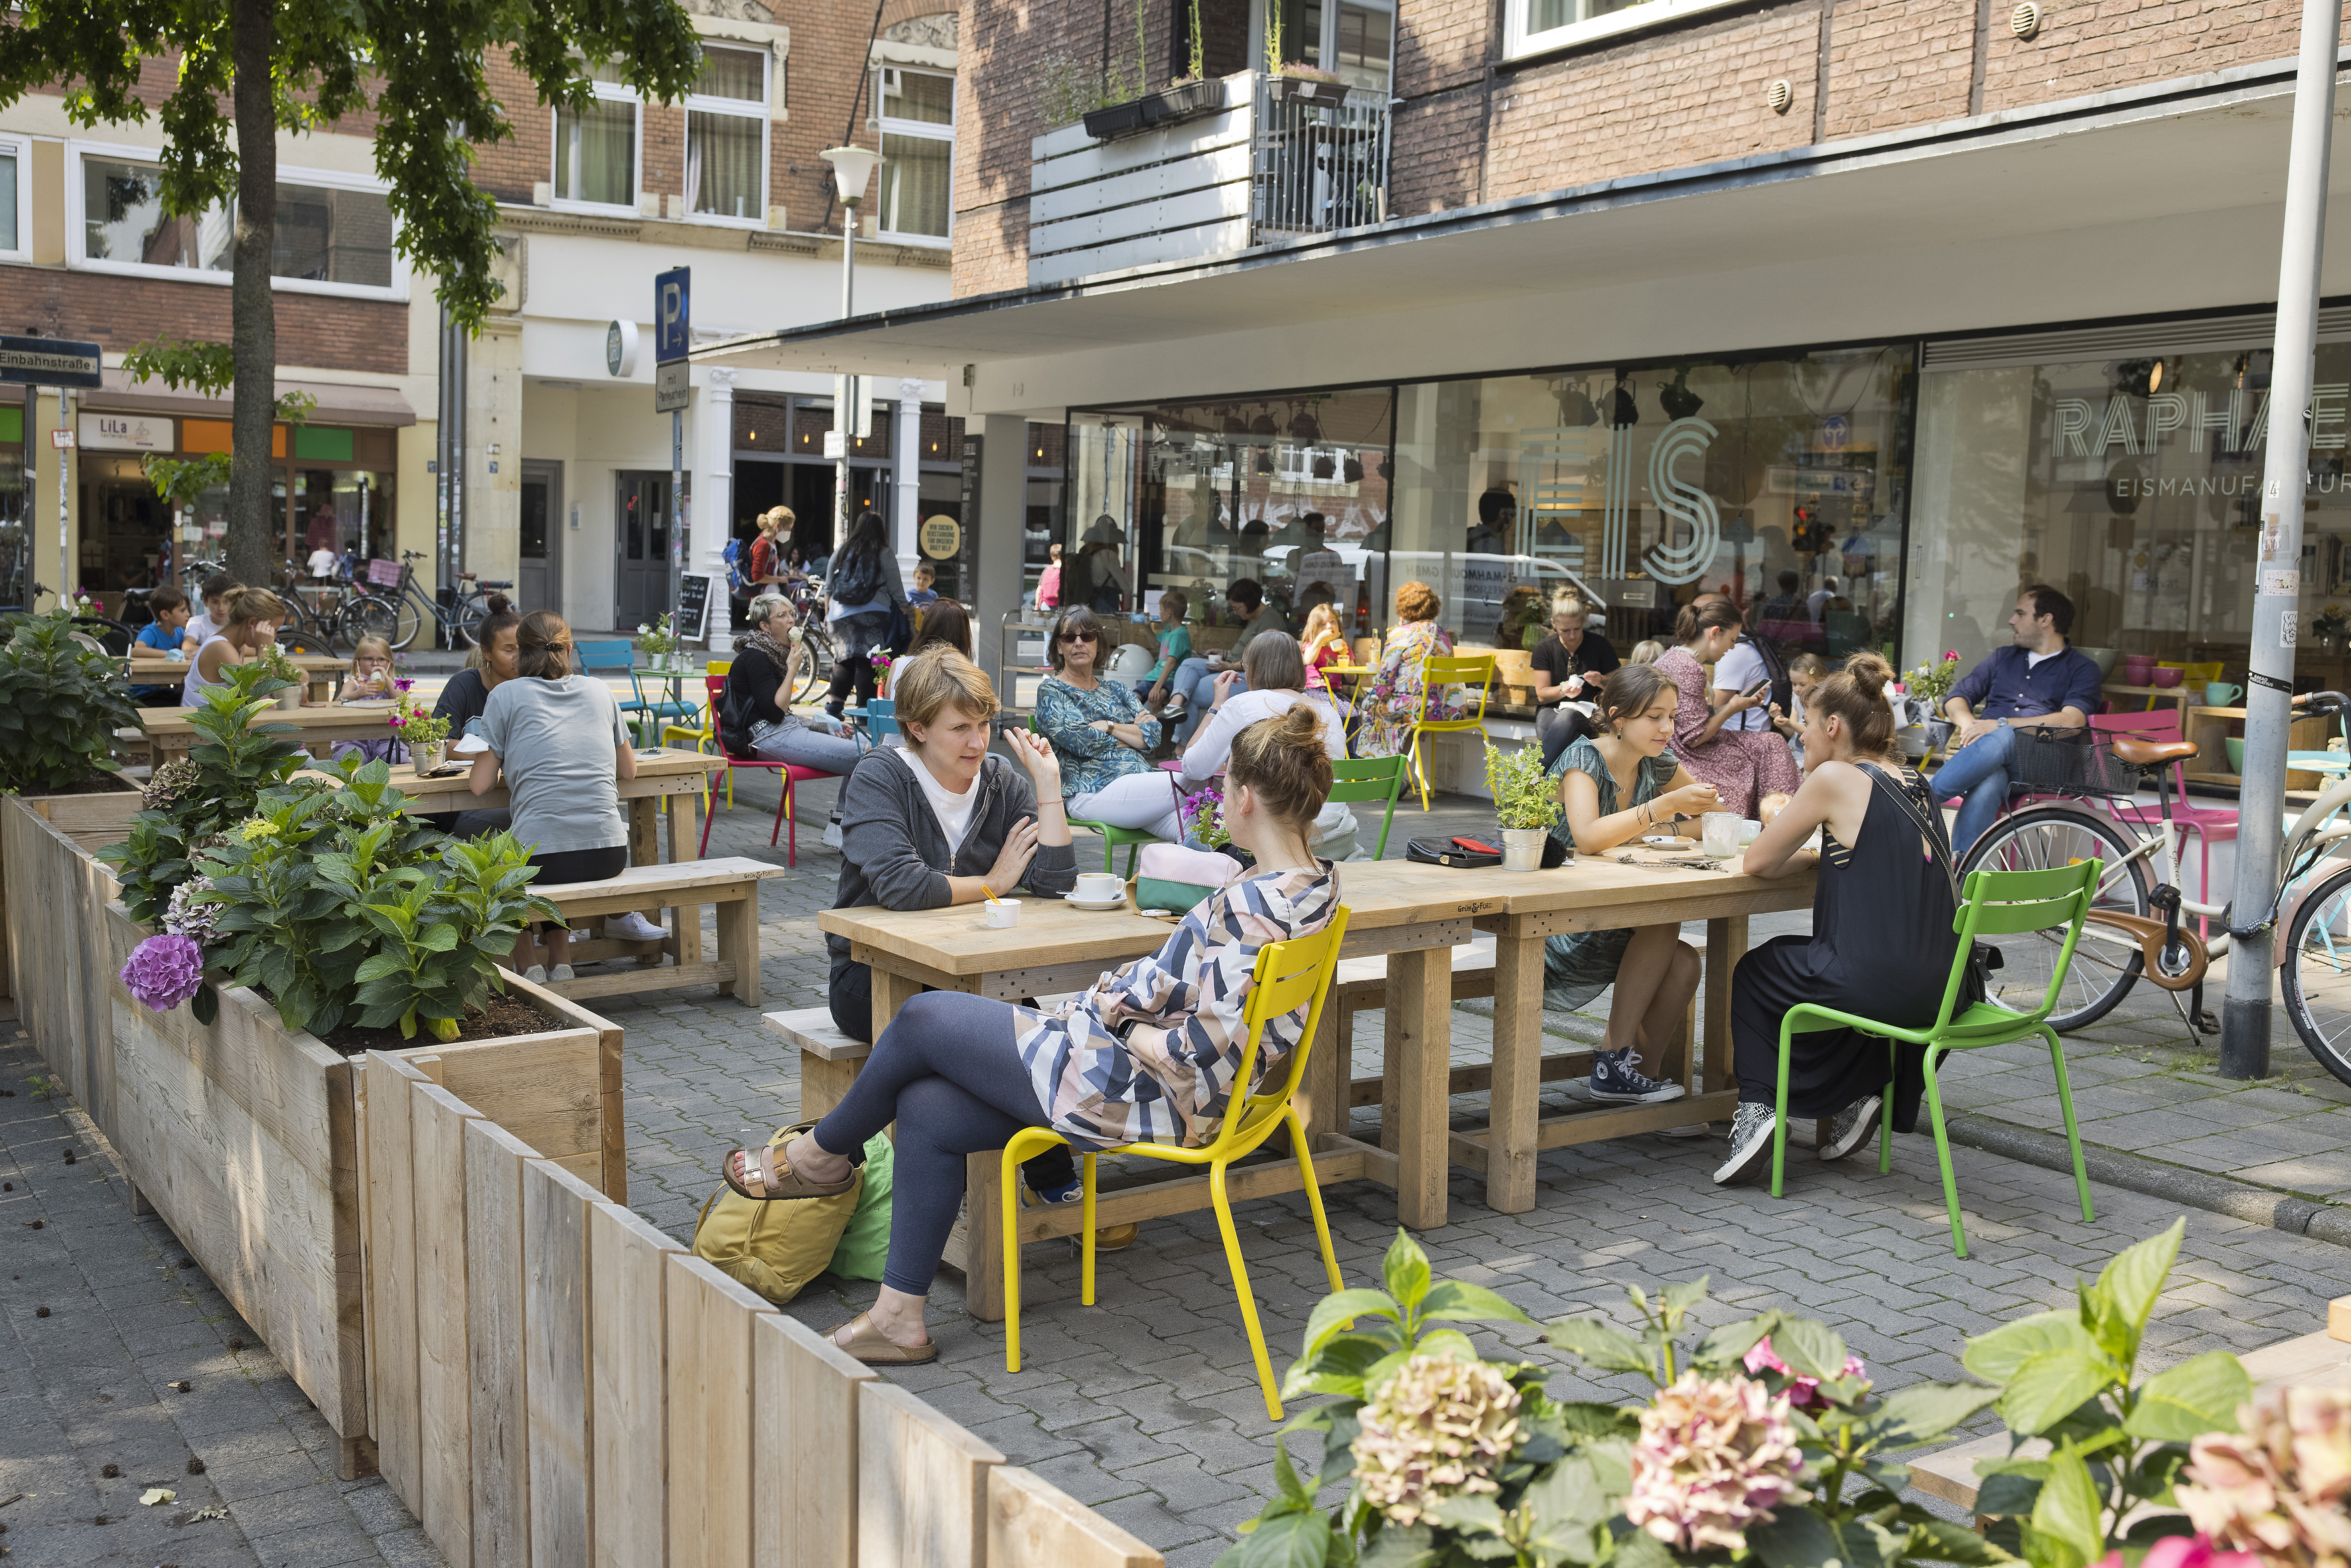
x: 948, y: 1073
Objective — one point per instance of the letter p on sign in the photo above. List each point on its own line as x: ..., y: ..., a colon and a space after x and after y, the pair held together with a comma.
x: 672, y: 316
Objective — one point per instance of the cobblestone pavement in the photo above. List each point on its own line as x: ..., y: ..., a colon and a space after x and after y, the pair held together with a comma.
x: 1146, y: 1405
x: 104, y: 1314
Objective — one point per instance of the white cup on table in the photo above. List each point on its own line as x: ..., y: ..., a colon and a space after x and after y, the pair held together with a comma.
x: 1004, y: 912
x: 1719, y: 832
x: 1097, y: 887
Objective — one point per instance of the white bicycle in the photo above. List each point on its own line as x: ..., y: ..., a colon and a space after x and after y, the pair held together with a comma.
x: 2135, y: 928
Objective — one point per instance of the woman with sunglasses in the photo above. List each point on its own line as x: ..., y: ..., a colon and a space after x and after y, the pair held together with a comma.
x: 1100, y: 731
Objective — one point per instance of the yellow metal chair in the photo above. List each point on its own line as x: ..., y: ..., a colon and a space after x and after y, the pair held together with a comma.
x: 1443, y: 670
x: 707, y: 732
x: 1287, y: 974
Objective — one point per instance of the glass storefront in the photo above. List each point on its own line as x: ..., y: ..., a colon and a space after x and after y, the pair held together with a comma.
x: 1780, y: 480
x: 2130, y: 481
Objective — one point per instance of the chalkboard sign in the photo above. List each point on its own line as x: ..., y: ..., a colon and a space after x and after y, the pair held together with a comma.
x: 693, y: 608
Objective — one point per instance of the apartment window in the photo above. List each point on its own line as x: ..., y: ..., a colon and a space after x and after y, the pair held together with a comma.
x: 1538, y: 25
x: 727, y: 134
x: 12, y: 184
x: 917, y: 151
x: 331, y: 236
x: 1356, y: 41
x: 596, y: 147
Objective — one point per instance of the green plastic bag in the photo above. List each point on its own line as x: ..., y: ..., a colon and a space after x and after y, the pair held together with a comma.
x: 866, y: 1242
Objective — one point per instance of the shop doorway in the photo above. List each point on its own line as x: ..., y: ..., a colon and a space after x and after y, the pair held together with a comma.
x: 640, y: 548
x: 539, y: 573
x: 811, y: 503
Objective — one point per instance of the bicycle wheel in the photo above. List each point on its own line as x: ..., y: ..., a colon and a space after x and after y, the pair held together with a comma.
x: 818, y: 667
x: 472, y: 611
x: 2315, y: 971
x: 393, y: 619
x: 2106, y: 964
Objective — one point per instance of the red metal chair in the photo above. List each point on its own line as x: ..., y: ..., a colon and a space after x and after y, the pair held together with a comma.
x: 2210, y: 824
x: 792, y: 773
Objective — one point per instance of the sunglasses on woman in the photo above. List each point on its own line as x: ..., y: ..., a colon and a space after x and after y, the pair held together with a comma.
x: 1078, y: 637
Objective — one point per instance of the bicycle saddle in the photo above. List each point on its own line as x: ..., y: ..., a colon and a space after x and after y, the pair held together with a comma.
x: 2143, y: 753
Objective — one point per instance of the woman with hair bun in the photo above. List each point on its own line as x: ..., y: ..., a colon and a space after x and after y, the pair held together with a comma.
x: 1748, y: 766
x: 1617, y: 786
x: 1150, y: 1052
x: 1882, y: 941
x: 561, y: 743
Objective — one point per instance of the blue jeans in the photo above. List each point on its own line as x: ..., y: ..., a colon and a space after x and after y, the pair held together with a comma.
x: 1196, y: 684
x: 1978, y: 770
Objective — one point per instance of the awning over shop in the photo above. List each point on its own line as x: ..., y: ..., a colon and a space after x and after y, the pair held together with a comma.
x: 338, y: 404
x: 2161, y: 198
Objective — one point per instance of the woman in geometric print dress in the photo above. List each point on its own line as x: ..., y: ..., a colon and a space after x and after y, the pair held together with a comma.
x: 1744, y: 765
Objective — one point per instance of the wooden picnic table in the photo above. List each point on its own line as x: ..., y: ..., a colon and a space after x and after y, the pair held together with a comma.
x: 169, y: 733
x: 1414, y: 914
x: 148, y: 669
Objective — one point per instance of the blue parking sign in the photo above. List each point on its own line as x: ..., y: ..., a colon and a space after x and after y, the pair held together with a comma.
x: 671, y: 315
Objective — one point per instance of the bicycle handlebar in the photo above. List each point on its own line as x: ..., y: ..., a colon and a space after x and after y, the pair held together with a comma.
x: 2325, y: 704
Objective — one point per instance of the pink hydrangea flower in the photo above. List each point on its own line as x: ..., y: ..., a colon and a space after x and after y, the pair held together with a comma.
x: 2280, y: 1491
x: 164, y: 972
x: 1804, y: 1393
x: 2187, y: 1552
x: 1714, y: 1457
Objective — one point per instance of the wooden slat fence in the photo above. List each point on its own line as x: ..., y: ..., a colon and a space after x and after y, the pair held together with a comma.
x: 555, y: 1382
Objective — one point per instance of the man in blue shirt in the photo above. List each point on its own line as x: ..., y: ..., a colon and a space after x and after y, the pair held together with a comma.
x: 2039, y: 682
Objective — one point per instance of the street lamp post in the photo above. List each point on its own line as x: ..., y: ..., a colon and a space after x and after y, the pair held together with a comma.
x: 852, y: 167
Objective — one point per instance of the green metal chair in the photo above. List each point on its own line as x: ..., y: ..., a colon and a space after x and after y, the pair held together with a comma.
x: 1113, y: 839
x: 1997, y: 903
x: 1371, y: 778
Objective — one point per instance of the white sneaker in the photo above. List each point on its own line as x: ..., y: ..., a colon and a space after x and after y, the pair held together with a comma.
x: 1853, y: 1127
x: 1750, y: 1144
x: 536, y: 974
x: 562, y: 972
x: 632, y: 926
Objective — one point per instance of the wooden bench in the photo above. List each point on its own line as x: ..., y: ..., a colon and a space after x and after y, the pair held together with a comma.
x: 679, y: 889
x: 828, y: 1058
x: 2310, y: 1361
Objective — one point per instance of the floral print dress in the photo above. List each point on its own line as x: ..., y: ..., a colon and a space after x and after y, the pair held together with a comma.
x: 1152, y: 1052
x: 1399, y: 697
x: 1091, y: 759
x: 1743, y: 765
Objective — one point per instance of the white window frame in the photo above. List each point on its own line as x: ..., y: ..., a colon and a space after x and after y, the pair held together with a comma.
x: 77, y: 151
x: 928, y: 131
x: 764, y: 111
x: 606, y: 92
x: 1518, y: 42
x: 20, y: 148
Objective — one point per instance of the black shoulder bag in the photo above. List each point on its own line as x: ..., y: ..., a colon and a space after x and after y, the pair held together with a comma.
x: 1983, y: 957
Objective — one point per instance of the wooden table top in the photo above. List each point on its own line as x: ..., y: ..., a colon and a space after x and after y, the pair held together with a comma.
x: 957, y: 940
x: 672, y: 772
x: 148, y: 663
x: 176, y: 723
x: 1422, y: 892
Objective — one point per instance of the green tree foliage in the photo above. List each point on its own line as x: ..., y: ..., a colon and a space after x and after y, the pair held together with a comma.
x: 247, y: 68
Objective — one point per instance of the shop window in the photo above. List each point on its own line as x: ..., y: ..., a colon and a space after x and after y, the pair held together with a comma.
x: 1533, y: 25
x: 917, y: 175
x: 727, y: 134
x: 596, y: 147
x: 2130, y: 483
x: 330, y: 235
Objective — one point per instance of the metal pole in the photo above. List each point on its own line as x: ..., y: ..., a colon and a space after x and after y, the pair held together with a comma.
x: 676, y: 512
x: 845, y: 388
x: 2260, y: 802
x: 443, y: 435
x: 65, y: 573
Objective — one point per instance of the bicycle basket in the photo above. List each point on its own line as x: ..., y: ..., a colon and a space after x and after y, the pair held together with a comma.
x: 2070, y: 762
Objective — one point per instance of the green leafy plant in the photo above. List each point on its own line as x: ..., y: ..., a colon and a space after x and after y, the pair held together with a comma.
x: 60, y: 704
x: 2115, y: 1441
x: 1523, y: 796
x: 1934, y: 682
x: 1765, y: 1440
x: 193, y: 801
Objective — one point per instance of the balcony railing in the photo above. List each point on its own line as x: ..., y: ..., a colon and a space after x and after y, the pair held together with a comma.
x: 1271, y: 158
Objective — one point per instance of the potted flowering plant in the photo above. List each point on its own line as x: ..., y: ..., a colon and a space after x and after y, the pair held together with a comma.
x: 1525, y: 800
x: 1766, y: 1441
x: 415, y: 727
x: 658, y: 642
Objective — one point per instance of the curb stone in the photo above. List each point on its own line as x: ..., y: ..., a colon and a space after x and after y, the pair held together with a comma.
x: 2135, y: 1173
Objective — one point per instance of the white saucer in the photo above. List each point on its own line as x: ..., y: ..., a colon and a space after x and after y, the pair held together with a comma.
x: 1095, y: 907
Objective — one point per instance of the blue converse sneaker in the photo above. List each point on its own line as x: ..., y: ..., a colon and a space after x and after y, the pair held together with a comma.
x: 1616, y: 1077
x: 1107, y: 1237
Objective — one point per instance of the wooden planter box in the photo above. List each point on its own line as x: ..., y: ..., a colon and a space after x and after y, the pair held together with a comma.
x: 92, y: 822
x: 243, y: 1138
x: 1166, y: 106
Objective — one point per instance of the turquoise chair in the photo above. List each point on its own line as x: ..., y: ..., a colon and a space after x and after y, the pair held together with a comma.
x: 1371, y: 778
x: 1996, y: 904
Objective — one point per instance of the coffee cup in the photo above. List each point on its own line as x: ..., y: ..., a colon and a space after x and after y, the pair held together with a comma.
x: 1719, y: 832
x: 1097, y: 887
x: 1004, y: 912
x: 2221, y: 693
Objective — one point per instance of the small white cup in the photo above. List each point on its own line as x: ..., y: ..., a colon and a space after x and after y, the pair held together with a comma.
x: 1097, y: 887
x: 1004, y: 912
x: 1719, y: 832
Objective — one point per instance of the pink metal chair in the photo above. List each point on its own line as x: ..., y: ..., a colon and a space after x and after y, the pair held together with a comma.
x: 792, y: 773
x: 2210, y: 824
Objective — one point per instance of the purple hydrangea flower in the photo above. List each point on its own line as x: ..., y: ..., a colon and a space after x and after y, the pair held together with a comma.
x: 164, y: 972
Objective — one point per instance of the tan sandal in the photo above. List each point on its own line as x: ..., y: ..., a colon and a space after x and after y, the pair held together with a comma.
x: 786, y: 1184
x: 872, y: 1346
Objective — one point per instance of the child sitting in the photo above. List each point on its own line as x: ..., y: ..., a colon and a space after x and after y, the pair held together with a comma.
x: 369, y: 681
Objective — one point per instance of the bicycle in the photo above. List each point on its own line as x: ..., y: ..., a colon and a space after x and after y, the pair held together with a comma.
x: 305, y: 628
x: 2134, y: 927
x: 398, y: 616
x: 808, y: 609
